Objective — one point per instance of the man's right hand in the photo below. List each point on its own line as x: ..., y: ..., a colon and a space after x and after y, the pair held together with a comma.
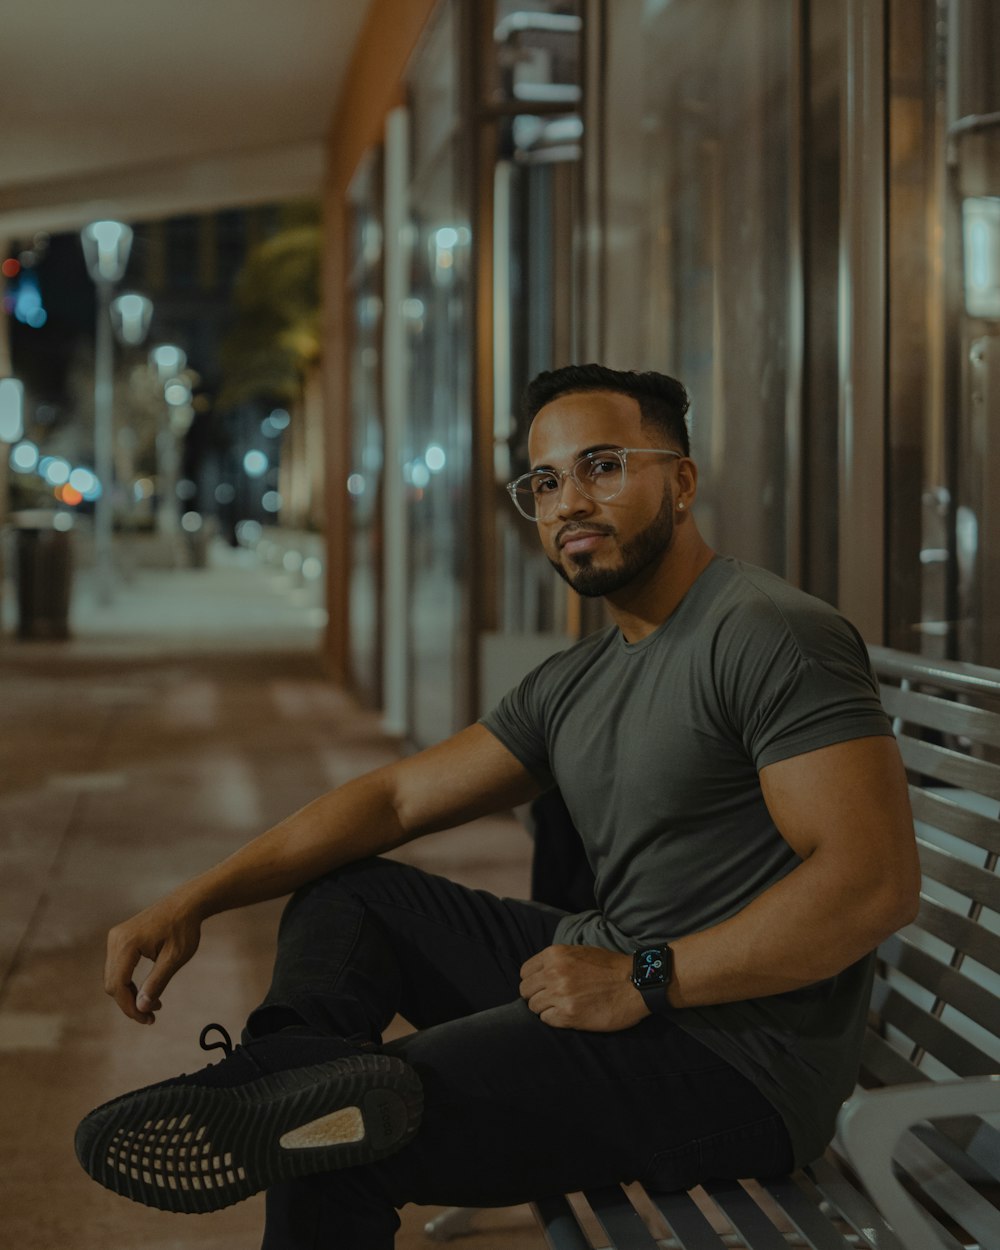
x: 167, y: 933
x: 455, y: 781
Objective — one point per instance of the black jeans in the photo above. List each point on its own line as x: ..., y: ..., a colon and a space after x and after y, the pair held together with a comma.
x: 514, y: 1109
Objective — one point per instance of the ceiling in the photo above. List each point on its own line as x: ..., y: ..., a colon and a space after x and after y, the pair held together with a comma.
x: 141, y: 109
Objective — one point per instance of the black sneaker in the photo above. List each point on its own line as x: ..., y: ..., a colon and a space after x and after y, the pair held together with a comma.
x: 282, y: 1106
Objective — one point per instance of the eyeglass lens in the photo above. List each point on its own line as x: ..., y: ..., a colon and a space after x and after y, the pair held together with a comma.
x: 599, y: 476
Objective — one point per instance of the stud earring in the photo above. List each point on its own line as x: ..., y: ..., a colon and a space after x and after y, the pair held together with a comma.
x: 680, y: 506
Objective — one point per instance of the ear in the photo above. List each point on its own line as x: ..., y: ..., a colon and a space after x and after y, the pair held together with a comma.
x: 687, y: 484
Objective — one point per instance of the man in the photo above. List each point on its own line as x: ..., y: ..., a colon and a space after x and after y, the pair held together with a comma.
x: 721, y: 749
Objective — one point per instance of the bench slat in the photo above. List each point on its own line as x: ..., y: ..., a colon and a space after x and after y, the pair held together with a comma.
x: 952, y: 766
x: 933, y: 1035
x: 804, y: 1214
x: 978, y: 884
x: 619, y: 1218
x: 885, y: 1064
x: 745, y: 1216
x: 958, y: 931
x: 687, y: 1222
x: 969, y: 1147
x: 852, y: 1206
x: 954, y: 987
x: 944, y: 715
x: 957, y: 675
x: 954, y: 1196
x: 936, y: 809
x: 559, y: 1224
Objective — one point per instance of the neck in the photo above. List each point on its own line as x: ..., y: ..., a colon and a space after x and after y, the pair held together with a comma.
x: 643, y: 606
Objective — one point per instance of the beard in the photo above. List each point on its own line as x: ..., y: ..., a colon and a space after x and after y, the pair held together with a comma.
x: 643, y: 551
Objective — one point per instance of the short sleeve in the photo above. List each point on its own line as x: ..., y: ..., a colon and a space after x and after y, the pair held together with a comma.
x: 800, y: 685
x: 820, y: 705
x: 518, y: 723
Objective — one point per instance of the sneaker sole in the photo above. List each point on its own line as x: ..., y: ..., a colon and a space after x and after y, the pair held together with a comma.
x: 190, y: 1148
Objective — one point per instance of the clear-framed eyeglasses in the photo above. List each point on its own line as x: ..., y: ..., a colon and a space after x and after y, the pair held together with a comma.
x: 599, y: 476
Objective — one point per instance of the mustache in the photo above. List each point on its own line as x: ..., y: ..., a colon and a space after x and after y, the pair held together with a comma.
x: 571, y: 528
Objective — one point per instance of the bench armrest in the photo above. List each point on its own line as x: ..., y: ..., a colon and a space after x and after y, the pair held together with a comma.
x: 871, y: 1123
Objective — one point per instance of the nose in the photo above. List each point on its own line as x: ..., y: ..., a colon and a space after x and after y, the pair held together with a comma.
x: 572, y: 500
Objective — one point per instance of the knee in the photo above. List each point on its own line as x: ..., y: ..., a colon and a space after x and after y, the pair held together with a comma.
x: 338, y: 880
x: 355, y: 883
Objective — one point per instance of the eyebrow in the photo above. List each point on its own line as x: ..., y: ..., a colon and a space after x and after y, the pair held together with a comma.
x: 587, y: 451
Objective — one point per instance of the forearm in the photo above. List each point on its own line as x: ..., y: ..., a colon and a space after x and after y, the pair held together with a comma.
x: 845, y: 811
x: 451, y: 783
x: 809, y: 926
x: 351, y: 823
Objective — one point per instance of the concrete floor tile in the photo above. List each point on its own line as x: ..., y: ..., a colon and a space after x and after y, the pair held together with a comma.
x: 161, y: 737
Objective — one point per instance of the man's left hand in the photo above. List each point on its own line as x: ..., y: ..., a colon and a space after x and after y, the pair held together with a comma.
x: 582, y: 987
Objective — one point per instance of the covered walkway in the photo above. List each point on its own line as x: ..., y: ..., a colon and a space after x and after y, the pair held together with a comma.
x: 171, y: 728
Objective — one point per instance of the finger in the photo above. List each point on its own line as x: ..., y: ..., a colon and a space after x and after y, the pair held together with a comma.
x: 146, y: 1004
x: 118, y: 983
x: 157, y: 980
x: 540, y: 1002
x: 551, y: 1016
x: 536, y: 963
x: 530, y: 967
x: 531, y: 985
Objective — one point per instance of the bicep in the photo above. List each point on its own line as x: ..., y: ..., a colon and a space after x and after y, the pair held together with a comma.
x: 849, y: 801
x: 470, y: 774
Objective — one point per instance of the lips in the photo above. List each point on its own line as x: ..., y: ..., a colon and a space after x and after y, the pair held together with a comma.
x: 576, y: 542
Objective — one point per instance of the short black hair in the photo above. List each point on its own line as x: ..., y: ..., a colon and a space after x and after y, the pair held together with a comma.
x: 662, y: 400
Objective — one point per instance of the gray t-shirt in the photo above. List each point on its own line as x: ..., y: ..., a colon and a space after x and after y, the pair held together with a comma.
x: 656, y: 747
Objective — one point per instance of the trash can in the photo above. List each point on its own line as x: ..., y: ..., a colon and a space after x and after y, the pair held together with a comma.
x: 43, y: 560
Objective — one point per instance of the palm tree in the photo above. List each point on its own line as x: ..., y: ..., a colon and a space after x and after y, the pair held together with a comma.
x: 275, y: 338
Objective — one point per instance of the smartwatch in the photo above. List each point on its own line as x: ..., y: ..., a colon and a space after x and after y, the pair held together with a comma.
x: 652, y: 972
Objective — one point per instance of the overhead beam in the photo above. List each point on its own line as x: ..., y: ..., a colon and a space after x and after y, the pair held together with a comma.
x: 165, y: 189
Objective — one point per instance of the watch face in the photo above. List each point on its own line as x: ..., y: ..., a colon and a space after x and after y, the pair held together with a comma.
x: 650, y: 967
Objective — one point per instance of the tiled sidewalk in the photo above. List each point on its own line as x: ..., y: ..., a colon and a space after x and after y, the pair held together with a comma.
x: 174, y: 726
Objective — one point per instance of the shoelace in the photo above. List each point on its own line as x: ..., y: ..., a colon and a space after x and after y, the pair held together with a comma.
x: 225, y: 1043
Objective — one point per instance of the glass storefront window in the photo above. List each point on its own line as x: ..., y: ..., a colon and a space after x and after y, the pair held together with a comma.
x: 944, y: 329
x: 532, y: 83
x: 363, y: 479
x: 437, y: 455
x: 696, y: 187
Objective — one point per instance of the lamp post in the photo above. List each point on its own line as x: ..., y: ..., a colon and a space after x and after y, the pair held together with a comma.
x: 11, y: 410
x: 168, y: 362
x: 131, y: 315
x: 106, y: 247
x: 11, y: 430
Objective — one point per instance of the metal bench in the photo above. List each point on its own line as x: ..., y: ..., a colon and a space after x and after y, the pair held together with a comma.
x: 916, y: 1161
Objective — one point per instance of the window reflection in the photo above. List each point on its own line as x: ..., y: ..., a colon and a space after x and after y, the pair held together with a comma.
x: 697, y: 252
x: 438, y: 311
x: 363, y: 476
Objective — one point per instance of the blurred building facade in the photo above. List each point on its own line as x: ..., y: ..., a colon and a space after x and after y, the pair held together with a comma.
x: 792, y: 206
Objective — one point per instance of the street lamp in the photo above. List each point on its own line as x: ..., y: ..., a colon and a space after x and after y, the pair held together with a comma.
x: 167, y: 361
x: 106, y: 247
x: 130, y: 316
